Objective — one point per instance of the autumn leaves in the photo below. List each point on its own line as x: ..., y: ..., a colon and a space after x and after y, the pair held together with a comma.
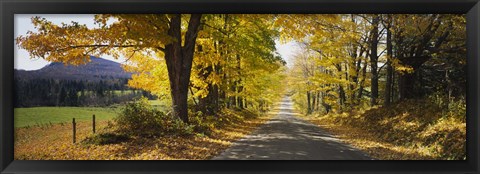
x: 212, y: 61
x: 354, y: 60
x: 205, y: 62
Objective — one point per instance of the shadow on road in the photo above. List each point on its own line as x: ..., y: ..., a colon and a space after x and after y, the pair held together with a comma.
x: 286, y: 137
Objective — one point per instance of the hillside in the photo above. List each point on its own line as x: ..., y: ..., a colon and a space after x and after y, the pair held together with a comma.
x: 96, y: 69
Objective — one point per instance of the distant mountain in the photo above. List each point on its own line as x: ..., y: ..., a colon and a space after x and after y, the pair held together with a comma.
x: 95, y: 70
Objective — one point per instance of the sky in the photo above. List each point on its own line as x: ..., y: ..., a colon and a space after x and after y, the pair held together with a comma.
x: 23, y: 24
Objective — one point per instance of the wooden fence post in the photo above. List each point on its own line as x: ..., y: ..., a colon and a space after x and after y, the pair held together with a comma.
x: 74, y: 130
x: 93, y: 125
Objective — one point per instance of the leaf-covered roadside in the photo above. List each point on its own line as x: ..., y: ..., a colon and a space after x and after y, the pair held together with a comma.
x: 410, y: 130
x: 55, y: 142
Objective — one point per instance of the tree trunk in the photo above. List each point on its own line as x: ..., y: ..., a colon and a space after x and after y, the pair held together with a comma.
x: 341, y: 97
x: 341, y: 91
x: 356, y: 78
x: 388, y: 85
x: 233, y: 99
x: 393, y: 95
x: 209, y: 104
x: 318, y: 101
x: 314, y: 101
x: 239, y: 82
x: 407, y: 81
x: 240, y: 99
x: 362, y: 82
x: 374, y: 60
x: 309, y: 108
x: 179, y: 62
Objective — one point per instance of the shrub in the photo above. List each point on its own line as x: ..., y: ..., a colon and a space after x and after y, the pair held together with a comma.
x: 202, y: 124
x: 452, y: 107
x: 205, y: 124
x: 458, y: 109
x: 139, y: 118
x: 106, y: 138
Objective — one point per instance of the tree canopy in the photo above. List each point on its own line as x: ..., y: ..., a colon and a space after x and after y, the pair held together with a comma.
x: 212, y: 61
x: 233, y: 56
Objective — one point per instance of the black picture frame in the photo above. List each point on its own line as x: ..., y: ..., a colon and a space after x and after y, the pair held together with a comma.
x: 10, y: 7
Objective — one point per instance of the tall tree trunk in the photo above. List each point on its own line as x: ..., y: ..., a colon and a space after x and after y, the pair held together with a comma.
x: 233, y: 99
x: 240, y: 99
x: 388, y: 85
x: 179, y: 62
x: 341, y: 91
x: 239, y: 82
x: 318, y: 101
x: 342, y: 97
x: 374, y: 60
x: 314, y: 101
x: 208, y: 103
x: 356, y: 78
x: 309, y: 106
x: 356, y: 48
x: 214, y: 91
x: 362, y: 82
x: 393, y: 95
x: 347, y: 87
x: 406, y: 85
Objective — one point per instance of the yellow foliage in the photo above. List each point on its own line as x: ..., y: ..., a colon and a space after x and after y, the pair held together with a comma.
x: 55, y: 142
x: 410, y: 130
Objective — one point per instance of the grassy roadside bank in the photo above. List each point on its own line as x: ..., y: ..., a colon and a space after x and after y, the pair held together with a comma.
x: 411, y: 130
x: 54, y: 142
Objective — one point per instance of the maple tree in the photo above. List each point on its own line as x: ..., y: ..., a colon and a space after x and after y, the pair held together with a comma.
x: 233, y: 51
x: 346, y: 58
x: 226, y: 60
x: 219, y: 69
x: 227, y: 52
x: 130, y: 35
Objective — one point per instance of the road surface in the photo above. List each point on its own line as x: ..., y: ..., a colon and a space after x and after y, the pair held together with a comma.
x: 286, y: 137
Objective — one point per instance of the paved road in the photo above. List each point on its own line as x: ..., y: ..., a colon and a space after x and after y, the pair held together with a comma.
x: 286, y: 137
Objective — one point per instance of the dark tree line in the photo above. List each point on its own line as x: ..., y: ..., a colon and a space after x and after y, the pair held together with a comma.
x: 50, y: 92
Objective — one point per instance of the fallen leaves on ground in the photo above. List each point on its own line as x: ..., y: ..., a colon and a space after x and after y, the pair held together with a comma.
x: 54, y: 142
x: 410, y: 130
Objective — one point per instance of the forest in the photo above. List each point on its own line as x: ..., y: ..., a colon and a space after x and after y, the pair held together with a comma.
x: 49, y: 92
x: 380, y: 60
x: 399, y: 79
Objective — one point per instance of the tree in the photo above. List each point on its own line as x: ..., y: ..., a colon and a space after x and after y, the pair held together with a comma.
x: 374, y: 58
x: 422, y: 51
x: 387, y: 23
x: 130, y: 35
x: 179, y: 62
x: 234, y: 50
x: 416, y: 41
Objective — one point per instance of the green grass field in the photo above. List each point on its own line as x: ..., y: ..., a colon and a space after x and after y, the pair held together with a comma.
x: 45, y: 115
x: 116, y: 92
x: 159, y: 103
